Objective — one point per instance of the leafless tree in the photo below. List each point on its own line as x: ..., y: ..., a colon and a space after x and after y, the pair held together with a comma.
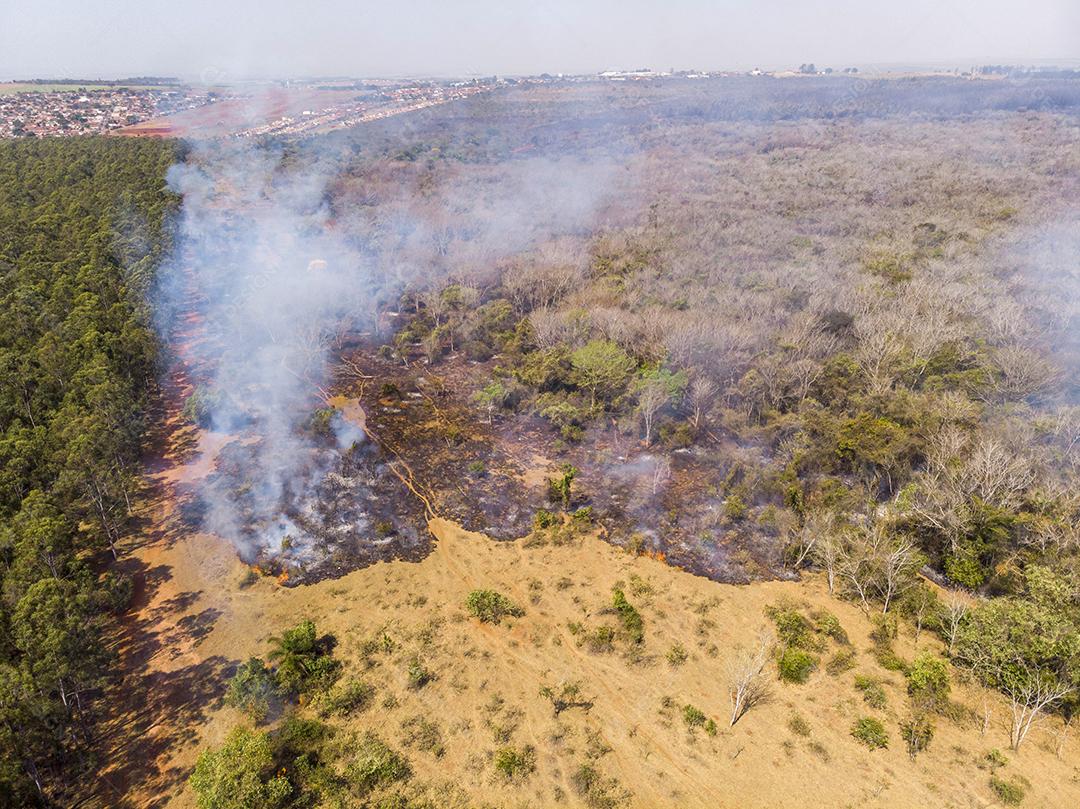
x: 828, y: 553
x: 702, y: 394
x: 653, y: 395
x: 748, y: 684
x: 952, y: 619
x: 1029, y: 698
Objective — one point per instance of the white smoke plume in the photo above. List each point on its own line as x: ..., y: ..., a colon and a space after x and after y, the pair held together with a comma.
x: 271, y: 266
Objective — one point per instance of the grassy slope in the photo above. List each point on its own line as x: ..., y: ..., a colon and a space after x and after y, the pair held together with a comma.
x: 758, y: 763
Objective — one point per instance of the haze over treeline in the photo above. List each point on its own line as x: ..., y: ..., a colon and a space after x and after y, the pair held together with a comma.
x: 215, y: 41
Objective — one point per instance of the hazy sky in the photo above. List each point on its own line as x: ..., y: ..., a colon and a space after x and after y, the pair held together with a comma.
x: 244, y: 38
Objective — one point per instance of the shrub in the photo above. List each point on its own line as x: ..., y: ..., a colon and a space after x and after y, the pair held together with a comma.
x: 543, y: 519
x: 374, y: 765
x: 843, y: 660
x: 597, y: 791
x: 870, y: 732
x: 829, y: 625
x: 422, y: 734
x: 917, y: 733
x: 928, y: 682
x: 418, y: 674
x: 559, y: 488
x: 303, y: 659
x: 693, y: 717
x: 252, y: 689
x: 565, y: 697
x: 873, y: 693
x: 795, y: 665
x: 345, y: 698
x: 677, y: 655
x: 1008, y: 792
x: 633, y: 624
x: 995, y: 758
x: 514, y: 763
x: 239, y: 774
x: 792, y: 627
x: 798, y: 725
x: 601, y: 639
x: 491, y: 607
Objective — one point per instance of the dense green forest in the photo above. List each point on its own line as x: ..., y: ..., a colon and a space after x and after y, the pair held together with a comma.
x: 83, y: 225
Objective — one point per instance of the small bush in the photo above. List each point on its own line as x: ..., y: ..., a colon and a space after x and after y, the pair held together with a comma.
x: 693, y: 717
x: 253, y: 689
x: 514, y: 763
x: 798, y: 725
x: 795, y: 665
x: 374, y: 765
x: 843, y: 660
x: 1010, y: 793
x: 793, y: 629
x: 829, y: 625
x: 870, y: 732
x: 543, y: 519
x: 995, y: 758
x: 872, y: 692
x: 598, y: 791
x: 888, y: 659
x: 346, y: 697
x: 422, y: 734
x: 418, y: 674
x: 491, y: 607
x: 677, y: 655
x: 633, y: 624
x: 928, y: 682
x: 917, y: 733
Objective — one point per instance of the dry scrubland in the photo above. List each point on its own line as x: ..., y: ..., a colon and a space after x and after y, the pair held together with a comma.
x: 485, y: 693
x: 785, y: 334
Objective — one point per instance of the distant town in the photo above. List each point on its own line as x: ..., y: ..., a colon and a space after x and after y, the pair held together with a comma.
x: 163, y: 107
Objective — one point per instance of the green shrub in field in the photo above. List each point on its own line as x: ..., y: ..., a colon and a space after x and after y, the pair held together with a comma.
x: 795, y: 665
x: 418, y: 674
x: 825, y: 623
x: 693, y: 717
x: 928, y: 682
x: 491, y: 607
x: 514, y: 763
x: 917, y: 733
x: 633, y: 625
x: 794, y: 629
x: 873, y: 693
x: 346, y: 697
x: 373, y: 765
x: 677, y: 655
x: 1008, y: 792
x: 798, y: 725
x: 253, y: 689
x: 870, y: 732
x: 843, y: 660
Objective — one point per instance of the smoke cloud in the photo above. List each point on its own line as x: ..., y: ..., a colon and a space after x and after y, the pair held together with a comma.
x: 274, y: 265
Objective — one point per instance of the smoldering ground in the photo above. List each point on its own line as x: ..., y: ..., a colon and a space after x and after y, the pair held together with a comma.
x: 279, y: 269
